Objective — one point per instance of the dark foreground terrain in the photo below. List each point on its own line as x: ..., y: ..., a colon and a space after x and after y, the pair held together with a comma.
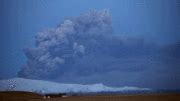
x: 28, y: 96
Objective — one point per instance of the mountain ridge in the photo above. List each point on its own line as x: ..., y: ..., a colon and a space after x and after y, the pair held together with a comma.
x: 44, y: 87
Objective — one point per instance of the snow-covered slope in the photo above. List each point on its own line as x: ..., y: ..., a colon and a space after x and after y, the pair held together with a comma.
x: 43, y: 87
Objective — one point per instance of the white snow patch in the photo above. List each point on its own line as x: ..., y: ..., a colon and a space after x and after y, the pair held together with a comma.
x: 43, y: 87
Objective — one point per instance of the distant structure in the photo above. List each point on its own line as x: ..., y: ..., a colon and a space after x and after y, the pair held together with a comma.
x: 48, y: 96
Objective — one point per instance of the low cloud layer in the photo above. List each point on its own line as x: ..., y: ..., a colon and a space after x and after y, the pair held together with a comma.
x: 84, y: 49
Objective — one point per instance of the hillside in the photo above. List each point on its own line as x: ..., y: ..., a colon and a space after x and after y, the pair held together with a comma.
x: 44, y: 87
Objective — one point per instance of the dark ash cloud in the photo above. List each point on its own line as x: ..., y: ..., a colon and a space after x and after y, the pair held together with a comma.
x: 84, y: 49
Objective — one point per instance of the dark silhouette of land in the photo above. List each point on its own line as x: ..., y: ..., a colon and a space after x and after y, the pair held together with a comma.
x: 29, y: 96
x: 18, y: 96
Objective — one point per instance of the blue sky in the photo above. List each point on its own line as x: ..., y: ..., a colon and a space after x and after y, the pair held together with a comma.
x: 157, y: 21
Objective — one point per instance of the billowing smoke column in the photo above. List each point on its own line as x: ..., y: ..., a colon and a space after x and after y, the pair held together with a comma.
x: 82, y: 46
x: 84, y: 49
x: 57, y: 49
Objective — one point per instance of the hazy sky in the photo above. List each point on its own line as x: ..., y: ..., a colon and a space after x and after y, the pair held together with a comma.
x: 157, y: 21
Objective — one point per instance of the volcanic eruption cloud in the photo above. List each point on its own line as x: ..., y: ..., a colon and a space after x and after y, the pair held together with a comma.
x: 84, y: 49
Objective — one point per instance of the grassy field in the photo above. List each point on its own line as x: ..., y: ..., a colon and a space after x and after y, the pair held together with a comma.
x: 27, y: 96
